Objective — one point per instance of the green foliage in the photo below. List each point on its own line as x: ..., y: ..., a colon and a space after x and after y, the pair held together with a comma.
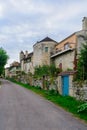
x: 46, y: 70
x: 82, y: 63
x: 41, y: 71
x: 82, y: 107
x: 3, y: 59
x: 69, y: 69
x: 53, y: 70
x: 47, y: 74
x: 52, y: 92
x: 23, y: 73
x: 38, y: 87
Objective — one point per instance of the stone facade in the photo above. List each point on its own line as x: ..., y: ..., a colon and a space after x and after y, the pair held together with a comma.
x: 40, y: 55
x: 65, y: 61
x: 13, y: 70
x: 42, y: 52
x: 7, y: 73
x: 66, y: 53
x: 26, y: 60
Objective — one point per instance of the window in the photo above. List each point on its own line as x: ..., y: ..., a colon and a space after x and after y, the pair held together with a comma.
x: 29, y: 60
x: 46, y: 49
x: 66, y: 46
x: 60, y: 66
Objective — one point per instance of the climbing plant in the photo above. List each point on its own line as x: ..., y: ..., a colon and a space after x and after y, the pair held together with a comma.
x: 46, y: 70
x: 82, y: 63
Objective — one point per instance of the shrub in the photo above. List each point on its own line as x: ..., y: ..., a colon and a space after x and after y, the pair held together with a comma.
x: 82, y: 107
x: 38, y: 87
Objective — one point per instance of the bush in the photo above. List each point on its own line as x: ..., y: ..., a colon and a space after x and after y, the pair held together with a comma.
x: 82, y: 107
x: 38, y: 87
x: 51, y: 92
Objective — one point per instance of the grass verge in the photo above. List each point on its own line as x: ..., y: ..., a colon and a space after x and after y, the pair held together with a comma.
x: 68, y: 103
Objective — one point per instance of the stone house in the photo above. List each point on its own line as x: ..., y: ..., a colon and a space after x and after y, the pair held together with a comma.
x: 13, y: 70
x: 65, y: 56
x: 26, y: 61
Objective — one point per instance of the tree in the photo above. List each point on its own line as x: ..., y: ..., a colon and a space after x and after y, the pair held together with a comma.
x: 82, y: 63
x: 3, y: 59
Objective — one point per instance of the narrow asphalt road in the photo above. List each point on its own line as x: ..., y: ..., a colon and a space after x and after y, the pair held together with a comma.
x: 21, y: 109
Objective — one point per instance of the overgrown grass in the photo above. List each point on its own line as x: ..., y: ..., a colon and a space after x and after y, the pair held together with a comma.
x: 68, y: 103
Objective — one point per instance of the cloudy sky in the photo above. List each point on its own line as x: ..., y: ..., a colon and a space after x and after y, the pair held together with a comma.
x: 24, y: 22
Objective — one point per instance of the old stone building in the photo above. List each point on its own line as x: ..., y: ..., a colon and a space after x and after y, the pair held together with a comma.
x: 64, y: 53
x: 26, y: 61
x: 40, y: 55
x: 65, y: 56
x: 42, y: 51
x: 13, y: 70
x: 7, y: 72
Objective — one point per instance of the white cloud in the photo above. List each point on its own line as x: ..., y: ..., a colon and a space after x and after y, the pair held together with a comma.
x: 29, y: 6
x: 63, y: 15
x: 1, y: 10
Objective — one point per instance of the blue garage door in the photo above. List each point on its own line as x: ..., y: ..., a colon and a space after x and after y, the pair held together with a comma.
x: 65, y: 85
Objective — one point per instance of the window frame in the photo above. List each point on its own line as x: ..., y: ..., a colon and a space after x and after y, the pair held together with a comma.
x: 46, y: 49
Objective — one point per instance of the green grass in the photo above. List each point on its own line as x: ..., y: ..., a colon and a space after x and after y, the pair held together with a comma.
x: 68, y: 103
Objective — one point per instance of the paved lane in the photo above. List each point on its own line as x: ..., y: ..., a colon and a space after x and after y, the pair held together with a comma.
x: 21, y: 109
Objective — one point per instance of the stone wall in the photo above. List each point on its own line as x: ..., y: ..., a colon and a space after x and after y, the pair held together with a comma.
x: 80, y: 90
x: 71, y: 89
x: 66, y: 59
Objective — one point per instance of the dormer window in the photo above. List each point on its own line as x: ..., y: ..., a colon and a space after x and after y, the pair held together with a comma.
x: 46, y: 49
x: 66, y: 46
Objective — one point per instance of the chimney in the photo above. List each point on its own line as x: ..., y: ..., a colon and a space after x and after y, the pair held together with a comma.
x: 21, y: 55
x: 26, y: 54
x: 84, y: 23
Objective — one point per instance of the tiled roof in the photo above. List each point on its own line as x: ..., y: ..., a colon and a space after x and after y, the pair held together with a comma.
x: 15, y: 64
x: 28, y: 56
x: 47, y: 39
x: 67, y: 37
x: 67, y: 73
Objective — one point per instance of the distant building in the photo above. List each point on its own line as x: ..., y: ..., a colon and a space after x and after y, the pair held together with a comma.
x: 7, y: 72
x: 26, y: 61
x: 13, y: 70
